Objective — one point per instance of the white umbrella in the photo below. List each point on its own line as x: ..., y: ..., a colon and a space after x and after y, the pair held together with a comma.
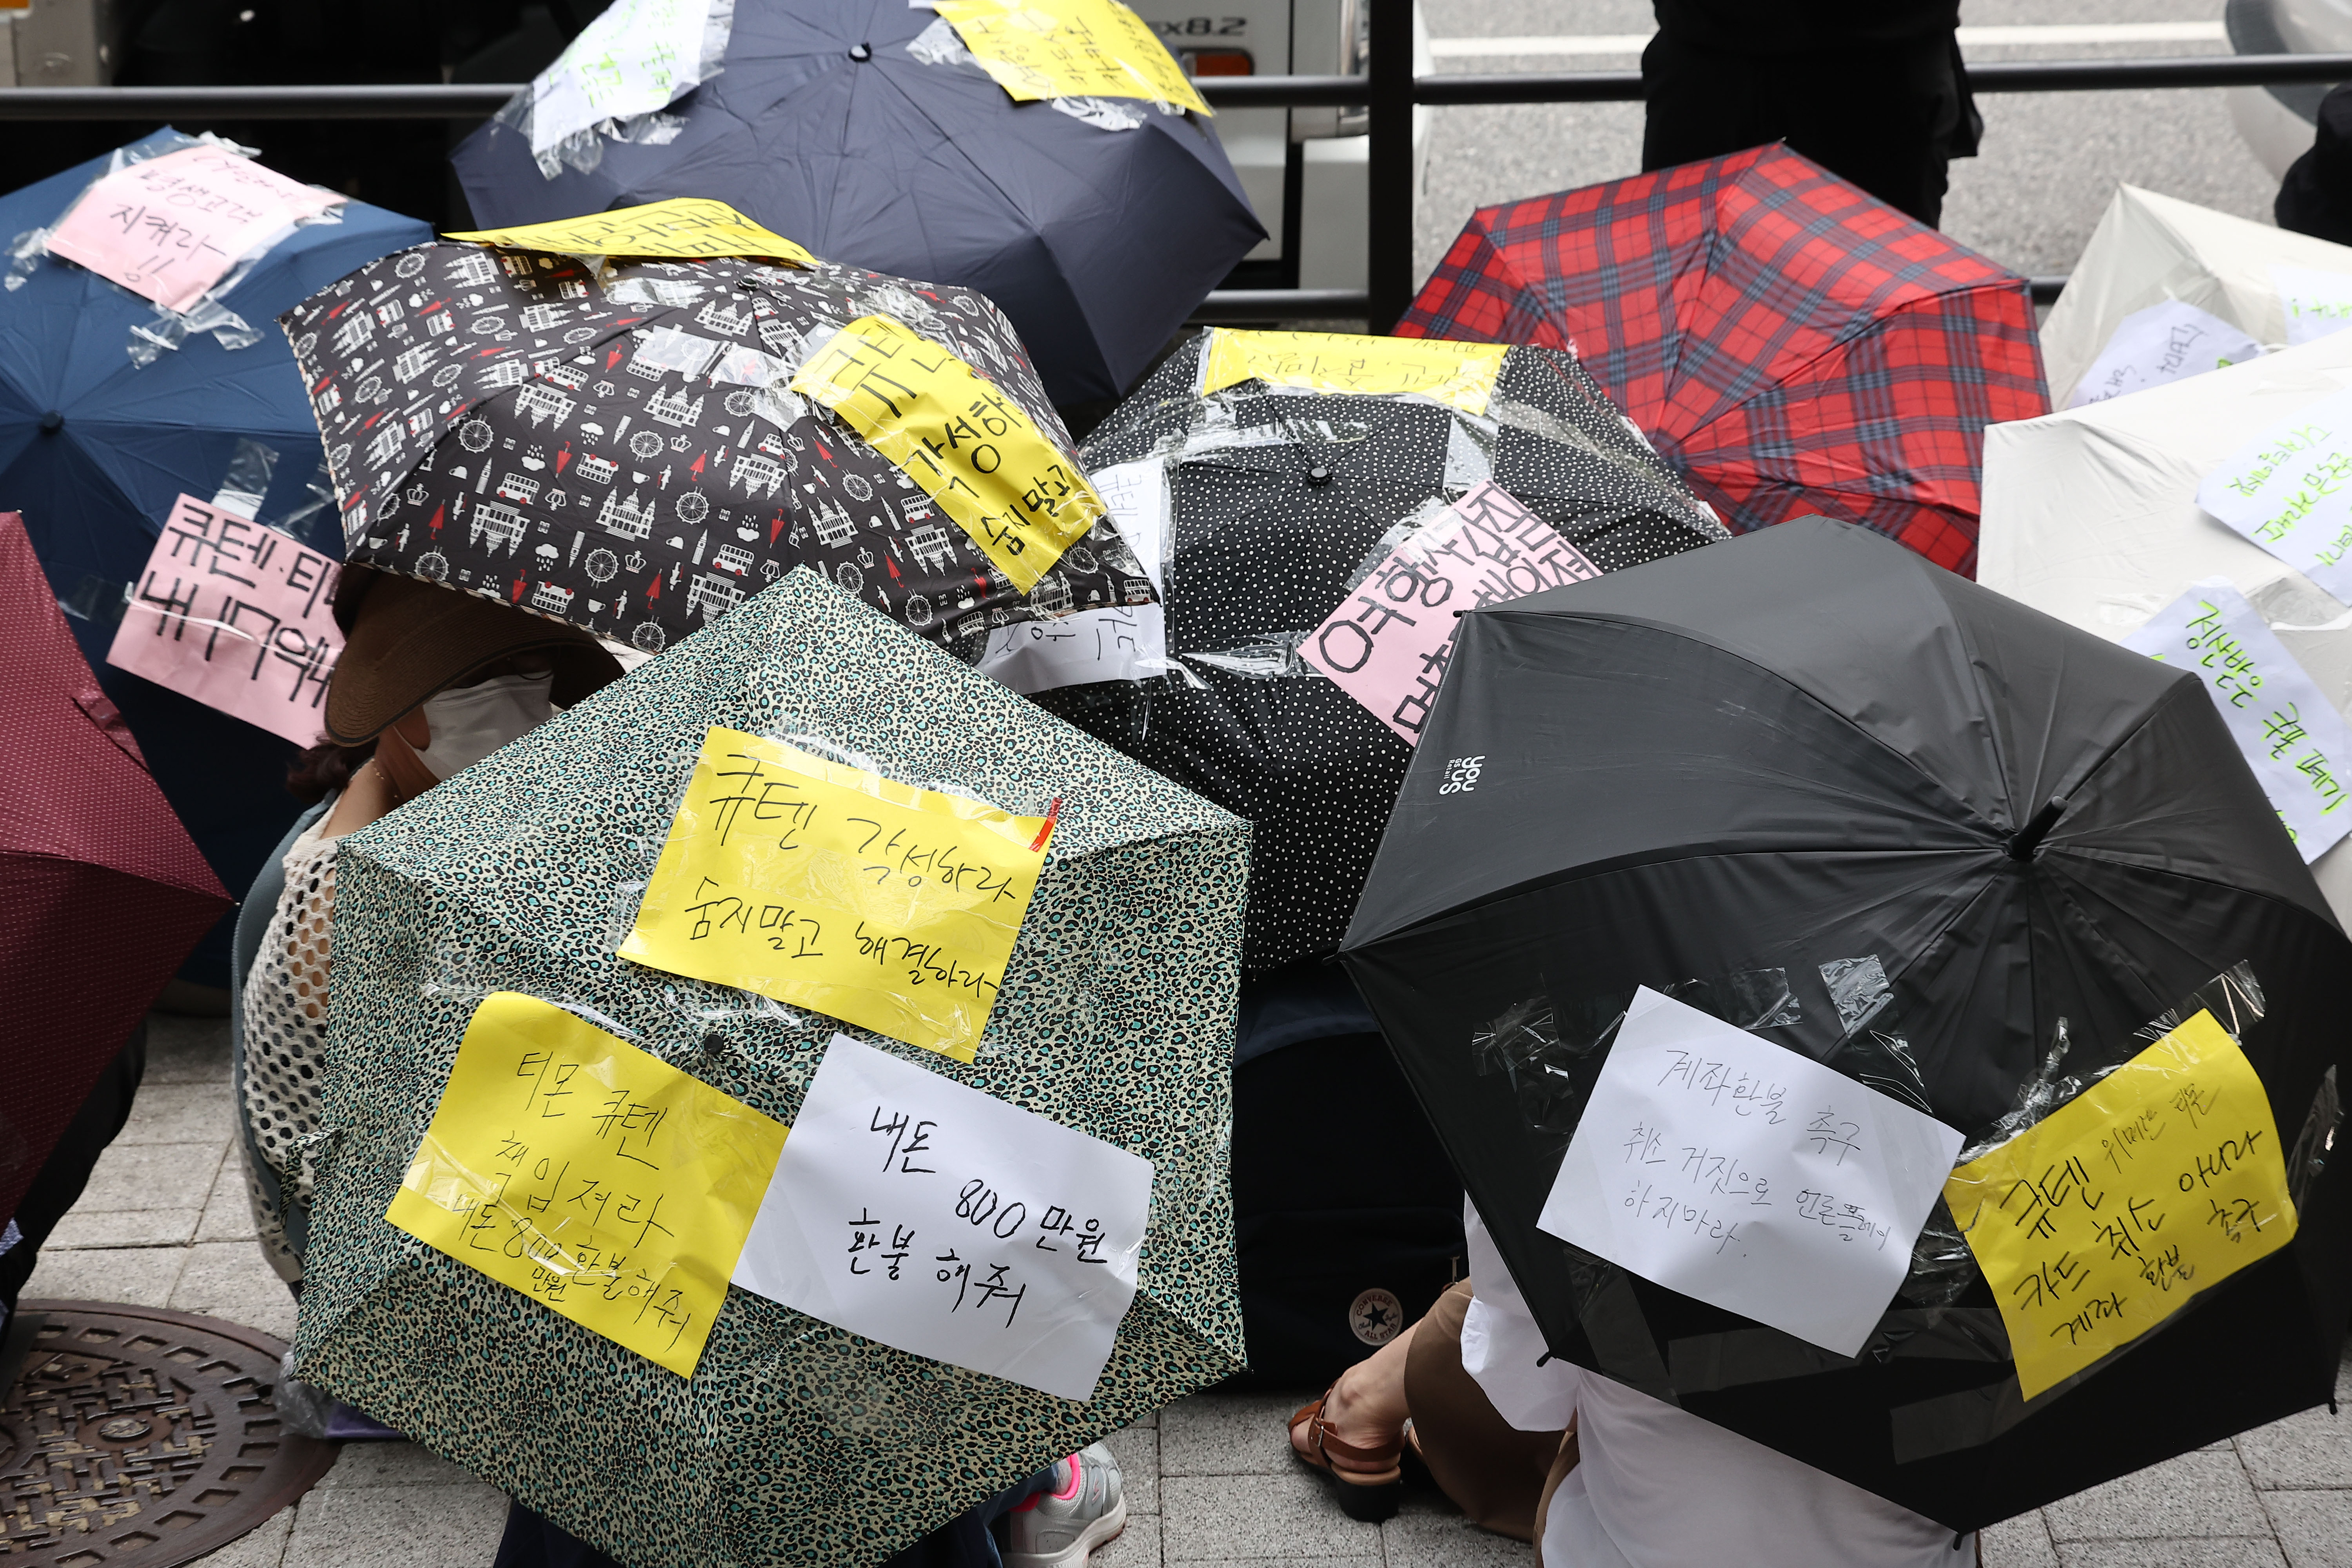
x: 2167, y: 289
x: 2091, y: 516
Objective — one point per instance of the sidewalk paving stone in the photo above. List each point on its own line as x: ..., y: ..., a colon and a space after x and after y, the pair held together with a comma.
x: 1210, y: 1478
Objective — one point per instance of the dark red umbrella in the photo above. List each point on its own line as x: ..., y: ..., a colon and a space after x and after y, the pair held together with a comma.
x: 101, y: 892
x: 1791, y: 343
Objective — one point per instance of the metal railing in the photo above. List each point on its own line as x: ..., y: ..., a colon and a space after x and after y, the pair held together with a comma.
x: 1390, y: 90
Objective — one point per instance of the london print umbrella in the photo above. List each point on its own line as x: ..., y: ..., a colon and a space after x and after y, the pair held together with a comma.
x: 1793, y: 344
x: 793, y: 1441
x: 621, y: 448
x: 1281, y: 496
x: 1912, y: 804
x: 95, y: 447
x: 1097, y: 236
x: 101, y: 892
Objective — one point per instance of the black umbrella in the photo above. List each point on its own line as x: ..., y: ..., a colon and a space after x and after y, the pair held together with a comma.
x: 1281, y: 498
x: 1808, y: 773
x: 621, y: 449
x: 824, y: 126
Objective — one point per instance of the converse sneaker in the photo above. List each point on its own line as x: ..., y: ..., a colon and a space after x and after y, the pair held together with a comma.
x: 1084, y: 1507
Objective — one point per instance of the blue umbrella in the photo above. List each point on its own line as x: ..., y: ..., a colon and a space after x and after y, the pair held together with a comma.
x: 821, y: 126
x: 94, y: 449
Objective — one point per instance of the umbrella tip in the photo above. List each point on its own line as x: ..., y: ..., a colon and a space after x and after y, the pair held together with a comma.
x: 1319, y: 475
x: 861, y: 52
x: 2028, y: 839
x: 51, y: 421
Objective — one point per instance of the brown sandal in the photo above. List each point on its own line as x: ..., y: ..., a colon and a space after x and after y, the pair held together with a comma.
x: 1372, y: 1480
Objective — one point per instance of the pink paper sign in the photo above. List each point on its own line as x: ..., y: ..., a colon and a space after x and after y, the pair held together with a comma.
x: 171, y: 227
x: 1387, y: 645
x: 238, y: 616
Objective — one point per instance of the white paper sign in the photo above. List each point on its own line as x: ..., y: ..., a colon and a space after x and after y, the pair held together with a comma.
x: 2316, y: 303
x: 2290, y: 733
x: 2165, y: 342
x: 637, y: 56
x: 946, y: 1223
x: 2289, y: 491
x: 1121, y: 643
x: 1731, y: 1169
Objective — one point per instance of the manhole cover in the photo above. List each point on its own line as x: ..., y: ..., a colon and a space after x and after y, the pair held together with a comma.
x: 139, y: 1436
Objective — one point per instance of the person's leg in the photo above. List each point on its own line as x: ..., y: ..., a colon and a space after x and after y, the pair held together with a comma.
x: 1494, y: 1473
x: 60, y: 1182
x: 1366, y: 1407
x: 1700, y: 104
x: 1887, y: 119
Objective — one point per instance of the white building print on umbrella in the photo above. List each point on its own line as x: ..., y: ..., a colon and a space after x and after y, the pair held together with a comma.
x: 503, y: 525
x: 630, y: 520
x: 714, y: 596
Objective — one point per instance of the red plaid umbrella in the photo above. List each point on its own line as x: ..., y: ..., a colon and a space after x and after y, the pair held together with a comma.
x: 101, y: 892
x: 1791, y: 343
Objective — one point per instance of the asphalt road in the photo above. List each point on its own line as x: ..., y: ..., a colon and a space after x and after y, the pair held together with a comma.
x: 2050, y: 162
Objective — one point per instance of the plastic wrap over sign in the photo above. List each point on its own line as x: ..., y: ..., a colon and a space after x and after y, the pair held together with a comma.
x: 886, y: 905
x: 1070, y: 48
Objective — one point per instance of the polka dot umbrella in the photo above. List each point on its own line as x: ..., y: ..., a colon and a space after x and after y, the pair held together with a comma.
x: 1282, y: 497
x: 615, y: 442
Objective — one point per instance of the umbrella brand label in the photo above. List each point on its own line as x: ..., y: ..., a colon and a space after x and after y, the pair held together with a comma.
x: 686, y: 227
x: 1460, y: 375
x: 884, y: 905
x: 2103, y: 1219
x: 1387, y: 644
x: 2289, y: 491
x: 1070, y: 48
x: 2288, y: 731
x: 1748, y: 1175
x: 235, y: 615
x: 944, y: 1222
x: 969, y: 446
x: 169, y: 228
x: 590, y: 1176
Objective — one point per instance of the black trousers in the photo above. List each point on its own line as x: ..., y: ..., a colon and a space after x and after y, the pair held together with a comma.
x: 59, y: 1183
x: 1885, y: 116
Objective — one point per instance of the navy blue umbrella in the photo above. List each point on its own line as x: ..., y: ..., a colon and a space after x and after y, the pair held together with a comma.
x: 1097, y: 243
x: 94, y: 448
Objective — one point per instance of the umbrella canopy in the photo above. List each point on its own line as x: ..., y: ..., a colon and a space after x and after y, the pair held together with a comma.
x: 2091, y: 516
x: 793, y: 1441
x: 1793, y: 344
x: 1097, y: 242
x: 2167, y: 288
x: 1283, y: 498
x: 101, y: 893
x: 94, y: 449
x: 622, y: 449
x: 1898, y: 824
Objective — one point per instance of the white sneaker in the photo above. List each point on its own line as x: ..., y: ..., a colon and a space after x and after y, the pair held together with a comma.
x: 1084, y: 1508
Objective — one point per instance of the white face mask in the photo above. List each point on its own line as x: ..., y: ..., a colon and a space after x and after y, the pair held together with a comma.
x: 471, y: 722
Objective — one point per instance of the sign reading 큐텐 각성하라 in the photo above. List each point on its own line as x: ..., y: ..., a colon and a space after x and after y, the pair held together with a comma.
x: 1460, y: 375
x: 964, y: 443
x: 882, y: 904
x: 169, y: 228
x: 945, y: 1222
x: 2101, y: 1220
x: 590, y: 1176
x: 1387, y: 644
x: 2285, y: 727
x: 235, y: 615
x: 1070, y: 48
x: 682, y: 226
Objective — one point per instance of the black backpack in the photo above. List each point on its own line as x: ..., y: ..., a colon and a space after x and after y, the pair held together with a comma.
x: 1347, y: 1215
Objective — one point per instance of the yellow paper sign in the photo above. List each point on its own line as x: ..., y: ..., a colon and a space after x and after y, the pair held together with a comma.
x: 949, y: 430
x: 1460, y: 374
x: 2097, y: 1223
x: 590, y: 1176
x: 685, y: 226
x: 879, y: 903
x: 1070, y: 48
